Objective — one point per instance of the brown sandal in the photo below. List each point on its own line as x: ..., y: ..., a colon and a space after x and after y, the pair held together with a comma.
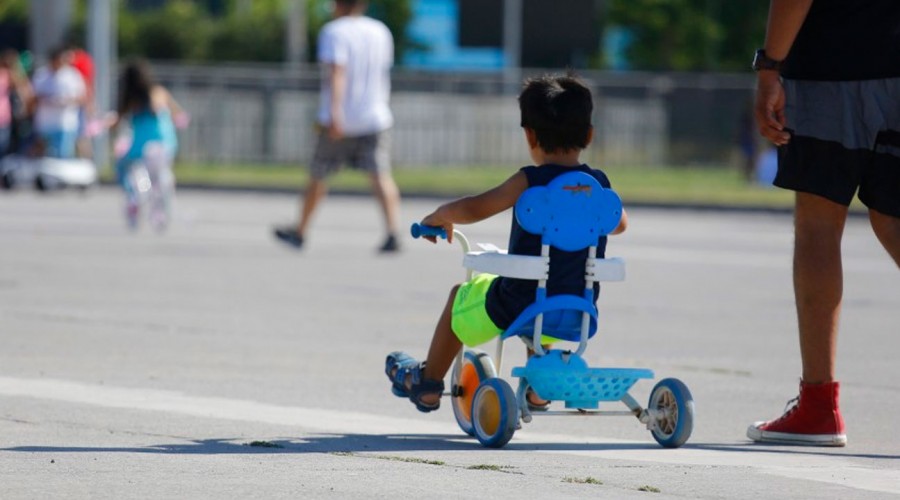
x: 530, y: 397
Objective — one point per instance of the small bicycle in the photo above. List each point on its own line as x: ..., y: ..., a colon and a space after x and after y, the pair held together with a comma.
x: 151, y: 188
x: 149, y: 182
x: 484, y: 404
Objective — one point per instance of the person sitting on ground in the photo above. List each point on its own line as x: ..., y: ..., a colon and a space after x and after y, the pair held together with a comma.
x: 556, y: 115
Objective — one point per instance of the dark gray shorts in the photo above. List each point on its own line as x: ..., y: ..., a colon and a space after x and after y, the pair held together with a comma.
x: 845, y: 136
x: 370, y: 153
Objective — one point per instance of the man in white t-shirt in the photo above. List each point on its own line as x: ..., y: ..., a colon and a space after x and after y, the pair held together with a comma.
x: 60, y: 92
x: 356, y: 53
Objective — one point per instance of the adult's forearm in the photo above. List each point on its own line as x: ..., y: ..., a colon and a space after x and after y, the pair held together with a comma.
x: 785, y: 19
x: 338, y: 78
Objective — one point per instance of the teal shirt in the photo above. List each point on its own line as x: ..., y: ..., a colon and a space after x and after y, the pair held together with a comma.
x: 147, y: 127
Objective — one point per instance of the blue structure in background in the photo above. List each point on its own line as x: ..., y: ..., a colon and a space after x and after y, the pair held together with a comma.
x: 616, y: 42
x: 435, y: 25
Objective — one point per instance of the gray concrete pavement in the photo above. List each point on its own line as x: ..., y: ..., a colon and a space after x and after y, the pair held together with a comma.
x: 138, y: 365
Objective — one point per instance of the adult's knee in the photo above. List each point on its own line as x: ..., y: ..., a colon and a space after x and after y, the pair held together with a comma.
x: 884, y: 224
x: 887, y: 229
x: 819, y: 218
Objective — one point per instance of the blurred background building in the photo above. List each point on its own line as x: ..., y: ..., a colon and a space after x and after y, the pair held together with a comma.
x: 671, y: 77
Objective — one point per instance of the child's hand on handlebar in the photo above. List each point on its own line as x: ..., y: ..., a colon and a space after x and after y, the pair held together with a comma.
x: 436, y: 221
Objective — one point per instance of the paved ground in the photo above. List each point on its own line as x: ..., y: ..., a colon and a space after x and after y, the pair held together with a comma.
x: 144, y: 365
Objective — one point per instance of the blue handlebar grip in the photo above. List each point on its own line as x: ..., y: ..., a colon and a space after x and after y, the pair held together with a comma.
x: 417, y: 230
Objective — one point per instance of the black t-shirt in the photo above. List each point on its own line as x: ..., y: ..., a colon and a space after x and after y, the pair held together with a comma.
x: 847, y: 40
x: 508, y: 297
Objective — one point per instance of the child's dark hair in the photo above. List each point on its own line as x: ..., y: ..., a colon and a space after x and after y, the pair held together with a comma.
x: 558, y: 108
x: 136, y: 85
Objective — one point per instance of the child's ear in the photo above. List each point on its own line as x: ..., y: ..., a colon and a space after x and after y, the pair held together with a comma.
x: 531, y: 137
x: 590, y: 135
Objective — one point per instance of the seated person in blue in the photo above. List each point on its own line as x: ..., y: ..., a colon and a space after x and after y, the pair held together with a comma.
x: 556, y: 115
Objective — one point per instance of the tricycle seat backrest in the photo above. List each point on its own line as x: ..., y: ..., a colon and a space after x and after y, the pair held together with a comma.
x: 571, y: 213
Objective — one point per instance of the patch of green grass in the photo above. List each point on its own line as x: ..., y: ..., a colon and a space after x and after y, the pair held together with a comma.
x: 580, y: 480
x: 491, y: 467
x: 635, y: 184
x: 651, y: 489
x: 263, y: 444
x: 639, y: 184
x: 411, y: 460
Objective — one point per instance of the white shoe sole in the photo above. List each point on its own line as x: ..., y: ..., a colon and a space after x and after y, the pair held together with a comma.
x: 761, y: 436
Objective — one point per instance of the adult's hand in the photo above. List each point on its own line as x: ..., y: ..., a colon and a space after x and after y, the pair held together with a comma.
x: 336, y: 130
x: 769, y: 107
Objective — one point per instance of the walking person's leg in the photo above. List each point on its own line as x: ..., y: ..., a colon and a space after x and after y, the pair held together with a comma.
x: 818, y: 282
x: 373, y: 155
x: 388, y: 196
x: 326, y: 160
x: 887, y: 229
x: 815, y: 417
x: 315, y: 192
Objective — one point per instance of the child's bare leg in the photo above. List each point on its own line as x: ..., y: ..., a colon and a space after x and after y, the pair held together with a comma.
x: 444, y: 344
x: 444, y: 347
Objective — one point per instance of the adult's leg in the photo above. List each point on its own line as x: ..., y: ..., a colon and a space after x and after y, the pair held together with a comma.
x: 315, y: 192
x: 818, y: 282
x: 887, y: 228
x: 373, y: 154
x: 388, y: 196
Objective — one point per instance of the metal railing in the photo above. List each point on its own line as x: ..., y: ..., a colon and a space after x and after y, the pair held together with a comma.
x: 266, y: 114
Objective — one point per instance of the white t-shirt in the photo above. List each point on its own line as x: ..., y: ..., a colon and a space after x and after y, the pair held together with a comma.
x: 365, y: 49
x: 57, y: 91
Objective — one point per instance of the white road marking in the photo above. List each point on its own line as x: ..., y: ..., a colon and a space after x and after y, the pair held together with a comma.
x: 739, y: 259
x: 821, y: 468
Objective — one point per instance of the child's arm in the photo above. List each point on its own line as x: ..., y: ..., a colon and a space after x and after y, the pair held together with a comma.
x: 623, y: 224
x: 479, y: 207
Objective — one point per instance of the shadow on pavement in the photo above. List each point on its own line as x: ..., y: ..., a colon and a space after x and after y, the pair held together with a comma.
x: 350, y: 443
x: 329, y: 443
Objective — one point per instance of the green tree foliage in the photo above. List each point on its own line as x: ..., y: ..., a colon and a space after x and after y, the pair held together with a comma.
x: 179, y: 31
x: 686, y: 35
x: 690, y: 35
x: 13, y: 10
x: 254, y: 35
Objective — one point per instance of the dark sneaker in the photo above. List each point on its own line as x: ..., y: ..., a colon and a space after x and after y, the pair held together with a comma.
x: 389, y: 245
x: 814, y: 419
x: 289, y: 236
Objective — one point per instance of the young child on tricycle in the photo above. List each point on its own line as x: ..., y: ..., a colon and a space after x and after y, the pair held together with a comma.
x: 556, y: 117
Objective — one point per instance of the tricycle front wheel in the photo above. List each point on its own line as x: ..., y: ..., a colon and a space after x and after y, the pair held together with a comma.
x: 494, y: 413
x: 476, y: 367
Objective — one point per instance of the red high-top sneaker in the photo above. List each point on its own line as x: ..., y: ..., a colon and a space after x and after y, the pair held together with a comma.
x: 814, y: 419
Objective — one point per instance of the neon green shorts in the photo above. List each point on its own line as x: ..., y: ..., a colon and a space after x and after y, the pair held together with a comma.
x: 469, y: 318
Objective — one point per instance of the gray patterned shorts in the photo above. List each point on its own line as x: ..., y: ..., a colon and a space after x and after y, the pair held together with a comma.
x: 370, y: 153
x: 845, y: 137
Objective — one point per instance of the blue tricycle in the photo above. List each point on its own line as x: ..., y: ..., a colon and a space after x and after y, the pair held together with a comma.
x: 571, y: 213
